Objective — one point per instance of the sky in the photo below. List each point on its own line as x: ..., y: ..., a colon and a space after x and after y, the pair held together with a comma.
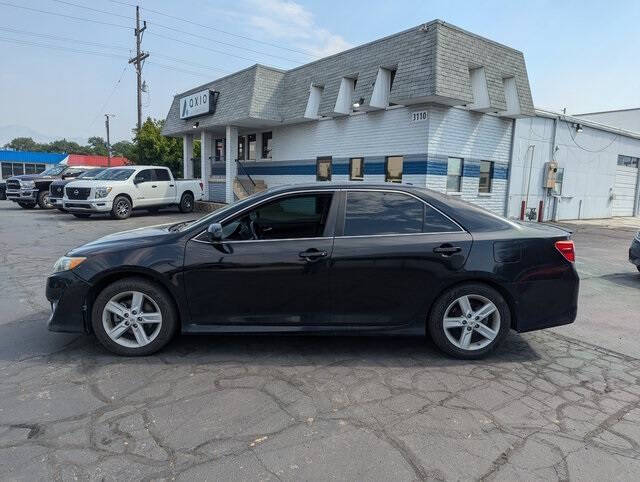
x: 59, y: 74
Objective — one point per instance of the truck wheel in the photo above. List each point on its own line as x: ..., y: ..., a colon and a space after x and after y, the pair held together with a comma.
x: 43, y: 200
x: 62, y: 210
x: 24, y: 205
x: 121, y: 208
x: 82, y: 215
x: 134, y: 317
x: 186, y: 203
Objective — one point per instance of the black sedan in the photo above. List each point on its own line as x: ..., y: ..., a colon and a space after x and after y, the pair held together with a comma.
x: 634, y: 251
x: 322, y: 258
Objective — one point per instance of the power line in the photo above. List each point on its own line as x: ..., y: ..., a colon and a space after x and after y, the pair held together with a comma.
x: 92, y: 9
x: 113, y: 91
x: 571, y: 134
x: 65, y: 16
x: 308, y: 54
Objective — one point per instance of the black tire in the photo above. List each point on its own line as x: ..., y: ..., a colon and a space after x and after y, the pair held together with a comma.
x: 43, y: 200
x: 82, y: 215
x: 62, y: 210
x: 24, y: 205
x: 638, y: 267
x: 435, y: 323
x: 159, y: 295
x: 121, y: 208
x: 186, y: 203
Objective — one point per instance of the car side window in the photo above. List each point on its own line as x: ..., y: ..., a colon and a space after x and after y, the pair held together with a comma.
x: 369, y: 213
x: 291, y: 217
x: 162, y: 175
x: 72, y: 172
x: 146, y: 175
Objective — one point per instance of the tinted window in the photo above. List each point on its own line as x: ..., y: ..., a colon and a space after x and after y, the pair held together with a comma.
x: 90, y: 174
x: 369, y: 213
x: 266, y: 145
x: 146, y: 175
x: 302, y: 216
x: 52, y: 171
x: 73, y: 172
x: 434, y: 222
x: 162, y: 175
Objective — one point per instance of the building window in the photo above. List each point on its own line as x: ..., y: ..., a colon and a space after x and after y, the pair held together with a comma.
x: 18, y: 169
x: 356, y: 169
x: 557, y: 188
x: 486, y: 174
x: 40, y: 168
x: 6, y: 170
x: 266, y: 145
x: 454, y: 174
x: 393, y: 169
x: 628, y: 161
x: 251, y: 141
x: 241, y: 148
x: 323, y: 169
x: 219, y: 150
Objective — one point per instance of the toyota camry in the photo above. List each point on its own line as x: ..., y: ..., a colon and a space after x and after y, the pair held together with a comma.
x: 322, y: 259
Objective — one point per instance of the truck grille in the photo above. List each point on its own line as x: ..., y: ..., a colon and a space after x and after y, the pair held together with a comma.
x: 78, y: 192
x: 56, y: 191
x: 13, y: 184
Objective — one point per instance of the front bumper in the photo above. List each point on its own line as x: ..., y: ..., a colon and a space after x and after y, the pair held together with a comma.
x: 88, y: 206
x: 22, y: 195
x: 68, y: 295
x: 634, y: 252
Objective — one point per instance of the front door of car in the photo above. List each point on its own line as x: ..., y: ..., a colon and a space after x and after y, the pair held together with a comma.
x: 145, y: 188
x: 271, y: 267
x: 392, y: 254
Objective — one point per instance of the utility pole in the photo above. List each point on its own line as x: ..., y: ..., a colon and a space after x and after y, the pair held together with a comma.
x: 138, y: 61
x: 106, y: 123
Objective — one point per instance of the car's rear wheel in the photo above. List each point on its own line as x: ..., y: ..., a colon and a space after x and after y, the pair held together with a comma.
x: 134, y: 317
x: 469, y: 321
x: 24, y: 205
x: 82, y: 215
x: 43, y: 200
x: 186, y: 203
x: 121, y: 208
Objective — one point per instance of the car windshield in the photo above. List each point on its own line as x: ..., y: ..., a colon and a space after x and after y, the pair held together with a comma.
x: 115, y: 174
x: 91, y: 173
x: 53, y: 171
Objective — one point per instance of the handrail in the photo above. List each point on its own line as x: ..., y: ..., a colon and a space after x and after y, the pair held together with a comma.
x: 246, y: 173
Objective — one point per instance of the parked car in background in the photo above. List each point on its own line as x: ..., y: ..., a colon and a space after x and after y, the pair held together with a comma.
x: 119, y: 190
x: 634, y: 251
x: 332, y: 258
x: 29, y: 190
x: 56, y: 188
x: 3, y: 190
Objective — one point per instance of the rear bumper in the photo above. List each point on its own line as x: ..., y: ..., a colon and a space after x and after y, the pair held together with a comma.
x: 89, y: 206
x: 544, y: 303
x: 634, y: 252
x: 22, y: 195
x: 68, y: 295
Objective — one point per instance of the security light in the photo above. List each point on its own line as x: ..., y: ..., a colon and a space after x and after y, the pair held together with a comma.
x: 358, y: 103
x: 578, y: 127
x: 195, y: 126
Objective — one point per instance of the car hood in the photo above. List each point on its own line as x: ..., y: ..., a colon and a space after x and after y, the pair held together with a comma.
x: 61, y: 182
x: 96, y: 183
x: 139, y: 237
x: 32, y: 177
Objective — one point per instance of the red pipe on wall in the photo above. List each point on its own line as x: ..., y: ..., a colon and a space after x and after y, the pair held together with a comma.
x: 522, y: 208
x: 540, y: 211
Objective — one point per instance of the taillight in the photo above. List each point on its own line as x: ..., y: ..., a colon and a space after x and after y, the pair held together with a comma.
x: 567, y: 249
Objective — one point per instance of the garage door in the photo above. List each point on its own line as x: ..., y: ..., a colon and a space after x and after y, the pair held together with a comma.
x: 624, y: 190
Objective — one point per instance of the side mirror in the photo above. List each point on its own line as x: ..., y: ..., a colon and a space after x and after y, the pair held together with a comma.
x: 214, y: 232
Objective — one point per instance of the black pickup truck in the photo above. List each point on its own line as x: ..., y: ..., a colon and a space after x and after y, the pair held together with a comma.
x: 31, y: 189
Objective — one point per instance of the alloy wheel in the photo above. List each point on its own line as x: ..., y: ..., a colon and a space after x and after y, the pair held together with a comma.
x: 46, y: 201
x: 132, y: 319
x: 122, y: 208
x: 471, y: 322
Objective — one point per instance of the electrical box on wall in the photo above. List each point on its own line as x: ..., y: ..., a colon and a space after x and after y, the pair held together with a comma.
x: 550, y: 173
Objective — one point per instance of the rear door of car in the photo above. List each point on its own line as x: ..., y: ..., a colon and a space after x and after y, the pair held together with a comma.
x: 392, y: 255
x: 165, y: 186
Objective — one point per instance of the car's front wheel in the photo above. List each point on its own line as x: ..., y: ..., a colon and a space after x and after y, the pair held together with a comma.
x: 121, y: 208
x: 134, y: 317
x: 470, y: 320
x: 43, y: 200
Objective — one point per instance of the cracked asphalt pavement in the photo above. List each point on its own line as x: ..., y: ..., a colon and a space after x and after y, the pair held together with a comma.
x: 562, y: 404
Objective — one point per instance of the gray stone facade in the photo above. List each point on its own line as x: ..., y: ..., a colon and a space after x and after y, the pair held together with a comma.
x: 431, y: 64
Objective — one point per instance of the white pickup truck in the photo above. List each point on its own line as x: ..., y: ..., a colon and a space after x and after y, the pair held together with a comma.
x: 119, y: 190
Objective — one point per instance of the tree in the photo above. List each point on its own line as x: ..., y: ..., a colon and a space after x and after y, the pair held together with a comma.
x: 154, y: 148
x: 70, y: 147
x: 98, y: 146
x: 125, y: 149
x: 23, y: 144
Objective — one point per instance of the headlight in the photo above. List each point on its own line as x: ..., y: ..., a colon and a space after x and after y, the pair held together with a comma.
x: 27, y: 184
x: 66, y: 263
x: 102, y: 191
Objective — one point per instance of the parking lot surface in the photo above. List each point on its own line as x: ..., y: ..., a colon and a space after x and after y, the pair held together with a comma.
x: 562, y: 404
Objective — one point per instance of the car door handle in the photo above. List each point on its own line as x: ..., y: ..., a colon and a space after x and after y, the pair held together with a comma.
x: 447, y: 249
x: 312, y: 255
x: 171, y: 185
x: 153, y: 185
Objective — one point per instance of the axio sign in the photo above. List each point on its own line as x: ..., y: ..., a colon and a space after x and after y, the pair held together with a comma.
x: 198, y: 103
